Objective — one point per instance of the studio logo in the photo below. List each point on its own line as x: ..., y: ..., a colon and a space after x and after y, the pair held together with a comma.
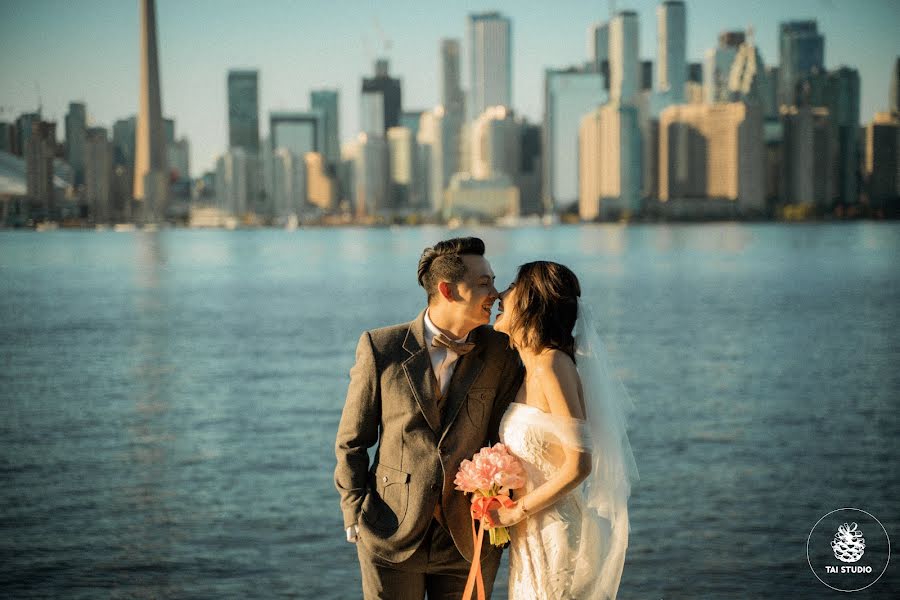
x: 841, y: 557
x: 848, y: 544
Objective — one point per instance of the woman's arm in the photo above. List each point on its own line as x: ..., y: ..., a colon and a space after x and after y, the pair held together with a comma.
x: 559, y: 383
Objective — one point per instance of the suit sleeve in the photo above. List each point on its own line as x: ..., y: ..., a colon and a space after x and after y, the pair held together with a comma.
x: 508, y: 386
x: 358, y: 431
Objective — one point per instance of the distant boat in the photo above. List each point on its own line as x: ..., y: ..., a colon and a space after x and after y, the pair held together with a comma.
x: 123, y: 227
x: 292, y: 222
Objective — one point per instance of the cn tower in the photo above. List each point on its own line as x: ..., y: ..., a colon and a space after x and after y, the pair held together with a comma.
x: 151, y: 184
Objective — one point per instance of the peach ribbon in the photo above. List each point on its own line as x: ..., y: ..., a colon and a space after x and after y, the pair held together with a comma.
x: 480, y: 508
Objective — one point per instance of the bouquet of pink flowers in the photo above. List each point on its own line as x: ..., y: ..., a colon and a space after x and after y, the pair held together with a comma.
x: 490, y: 475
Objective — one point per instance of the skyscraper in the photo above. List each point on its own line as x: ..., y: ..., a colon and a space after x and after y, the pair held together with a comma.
x: 40, y: 148
x: 243, y: 110
x: 717, y: 66
x: 401, y: 148
x: 881, y: 162
x: 841, y: 97
x: 371, y: 175
x: 451, y: 90
x: 326, y: 102
x: 801, y: 52
x: 289, y: 176
x: 98, y: 174
x: 76, y: 130
x: 599, y: 46
x: 321, y: 190
x: 439, y: 143
x: 568, y: 95
x: 490, y: 52
x: 894, y: 92
x: 390, y: 91
x: 371, y: 113
x: 496, y: 144
x: 609, y: 163
x: 23, y: 130
x: 124, y: 131
x: 624, y: 61
x: 298, y: 132
x: 747, y: 79
x: 179, y: 160
x: 233, y: 182
x: 671, y: 70
x: 151, y: 181
x: 712, y: 151
x: 7, y: 137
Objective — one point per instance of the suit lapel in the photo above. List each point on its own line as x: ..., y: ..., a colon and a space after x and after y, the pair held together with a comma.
x: 419, y: 373
x: 467, y: 370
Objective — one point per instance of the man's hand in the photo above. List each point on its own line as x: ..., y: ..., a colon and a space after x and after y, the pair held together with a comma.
x: 352, y: 534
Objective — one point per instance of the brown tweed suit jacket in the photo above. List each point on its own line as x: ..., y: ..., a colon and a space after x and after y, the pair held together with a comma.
x: 392, y: 401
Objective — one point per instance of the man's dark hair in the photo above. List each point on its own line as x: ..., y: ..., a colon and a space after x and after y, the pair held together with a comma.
x: 443, y: 262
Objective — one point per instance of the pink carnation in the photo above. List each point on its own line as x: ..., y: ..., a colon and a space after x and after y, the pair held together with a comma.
x: 489, y: 469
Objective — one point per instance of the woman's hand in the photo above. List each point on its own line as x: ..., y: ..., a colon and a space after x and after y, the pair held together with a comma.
x: 506, y: 517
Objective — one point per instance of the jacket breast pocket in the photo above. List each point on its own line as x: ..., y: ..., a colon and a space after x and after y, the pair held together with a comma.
x: 478, y: 405
x: 392, y: 491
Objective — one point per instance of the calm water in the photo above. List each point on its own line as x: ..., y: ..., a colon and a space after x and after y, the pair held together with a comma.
x: 168, y: 402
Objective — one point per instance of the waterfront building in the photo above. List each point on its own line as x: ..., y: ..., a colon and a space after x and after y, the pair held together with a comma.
x: 568, y: 95
x: 326, y: 103
x: 801, y: 53
x: 609, y: 163
x: 243, y: 109
x: 98, y: 163
x: 712, y: 151
x: 881, y: 163
x: 40, y: 150
x: 76, y: 131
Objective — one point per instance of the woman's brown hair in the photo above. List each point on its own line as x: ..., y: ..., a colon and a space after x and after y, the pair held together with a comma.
x: 546, y: 307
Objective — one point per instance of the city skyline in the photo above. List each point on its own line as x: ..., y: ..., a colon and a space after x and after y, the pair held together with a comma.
x: 195, y: 55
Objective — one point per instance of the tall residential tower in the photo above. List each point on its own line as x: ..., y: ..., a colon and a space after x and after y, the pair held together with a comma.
x: 490, y: 52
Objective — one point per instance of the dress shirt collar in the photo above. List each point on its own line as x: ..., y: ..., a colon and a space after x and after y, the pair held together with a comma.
x: 431, y: 330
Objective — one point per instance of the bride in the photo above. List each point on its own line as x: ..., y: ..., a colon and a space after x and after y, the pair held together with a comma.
x: 569, y: 524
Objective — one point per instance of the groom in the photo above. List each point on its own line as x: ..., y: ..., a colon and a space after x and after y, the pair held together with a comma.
x: 430, y: 393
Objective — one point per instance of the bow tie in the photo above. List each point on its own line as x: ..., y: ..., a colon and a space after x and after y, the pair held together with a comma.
x: 461, y: 348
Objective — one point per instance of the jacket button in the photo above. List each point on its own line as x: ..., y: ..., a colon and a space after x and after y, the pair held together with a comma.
x: 384, y: 479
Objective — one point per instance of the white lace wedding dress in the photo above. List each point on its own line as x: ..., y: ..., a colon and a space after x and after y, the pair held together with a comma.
x: 573, y: 548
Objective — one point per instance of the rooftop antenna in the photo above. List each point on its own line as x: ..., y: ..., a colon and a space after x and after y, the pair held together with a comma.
x: 40, y: 110
x: 385, y: 40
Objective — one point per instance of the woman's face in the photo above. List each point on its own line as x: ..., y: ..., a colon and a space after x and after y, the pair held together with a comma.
x: 505, y: 317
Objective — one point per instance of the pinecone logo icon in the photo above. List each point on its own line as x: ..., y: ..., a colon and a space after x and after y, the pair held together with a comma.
x: 848, y: 543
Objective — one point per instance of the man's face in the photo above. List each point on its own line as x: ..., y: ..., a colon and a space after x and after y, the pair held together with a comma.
x: 475, y: 295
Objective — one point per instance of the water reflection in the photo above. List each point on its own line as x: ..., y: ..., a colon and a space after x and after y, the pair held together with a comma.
x: 148, y: 538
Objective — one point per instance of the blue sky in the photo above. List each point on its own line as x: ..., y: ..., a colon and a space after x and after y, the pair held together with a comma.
x: 87, y: 50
